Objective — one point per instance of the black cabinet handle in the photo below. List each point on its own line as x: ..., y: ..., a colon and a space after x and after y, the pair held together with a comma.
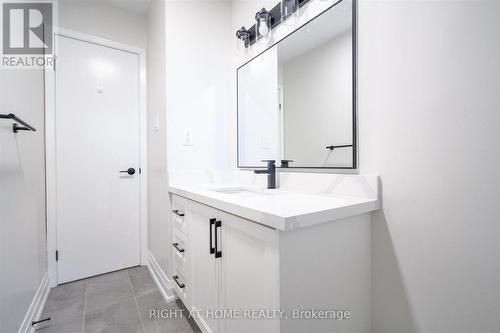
x: 218, y: 253
x: 212, y: 248
x: 176, y: 278
x: 176, y: 245
x: 176, y: 212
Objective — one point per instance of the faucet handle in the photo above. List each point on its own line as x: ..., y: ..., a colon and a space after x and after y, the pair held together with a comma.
x: 285, y: 163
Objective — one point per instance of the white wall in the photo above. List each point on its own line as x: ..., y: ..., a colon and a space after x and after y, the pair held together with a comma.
x: 97, y: 18
x: 189, y: 88
x: 199, y: 78
x: 429, y: 115
x: 158, y: 209
x: 428, y: 121
x: 23, y: 261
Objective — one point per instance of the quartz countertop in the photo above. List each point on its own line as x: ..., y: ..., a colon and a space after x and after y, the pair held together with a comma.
x: 282, y: 209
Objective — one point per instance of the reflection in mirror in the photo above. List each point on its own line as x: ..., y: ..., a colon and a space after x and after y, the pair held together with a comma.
x: 296, y: 101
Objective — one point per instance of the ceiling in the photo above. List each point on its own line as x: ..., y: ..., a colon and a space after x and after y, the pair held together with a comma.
x: 136, y: 6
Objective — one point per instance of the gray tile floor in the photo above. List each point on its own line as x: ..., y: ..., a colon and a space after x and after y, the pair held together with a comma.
x: 118, y: 302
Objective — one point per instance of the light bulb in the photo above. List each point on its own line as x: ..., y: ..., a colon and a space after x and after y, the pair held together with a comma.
x: 263, y: 28
x: 289, y: 12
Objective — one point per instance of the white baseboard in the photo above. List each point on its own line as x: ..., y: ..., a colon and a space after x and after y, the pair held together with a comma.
x: 200, y: 322
x: 36, y: 307
x: 161, y: 279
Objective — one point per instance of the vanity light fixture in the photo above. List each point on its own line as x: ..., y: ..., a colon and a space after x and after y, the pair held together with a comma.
x: 263, y: 25
x: 268, y: 20
x: 244, y: 35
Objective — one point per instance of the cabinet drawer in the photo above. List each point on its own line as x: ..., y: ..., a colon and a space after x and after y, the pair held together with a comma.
x: 180, y: 252
x: 179, y: 210
x: 181, y: 287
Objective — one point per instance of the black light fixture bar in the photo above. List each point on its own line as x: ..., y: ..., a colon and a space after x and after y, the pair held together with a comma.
x: 16, y: 128
x: 275, y: 14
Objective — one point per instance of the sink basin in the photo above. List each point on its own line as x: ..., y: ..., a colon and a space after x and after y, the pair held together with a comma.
x: 237, y: 190
x: 263, y: 191
x: 229, y: 190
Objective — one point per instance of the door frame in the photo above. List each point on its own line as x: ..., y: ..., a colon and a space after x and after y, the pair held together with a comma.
x: 51, y: 144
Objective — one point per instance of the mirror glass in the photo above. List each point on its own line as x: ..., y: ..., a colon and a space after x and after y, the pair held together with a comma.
x: 296, y: 100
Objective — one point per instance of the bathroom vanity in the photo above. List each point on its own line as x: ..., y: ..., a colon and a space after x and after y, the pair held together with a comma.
x: 296, y: 258
x: 241, y: 254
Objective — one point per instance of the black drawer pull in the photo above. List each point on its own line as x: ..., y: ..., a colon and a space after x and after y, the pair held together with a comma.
x: 218, y: 253
x: 181, y: 285
x: 176, y: 212
x: 212, y: 248
x: 176, y: 245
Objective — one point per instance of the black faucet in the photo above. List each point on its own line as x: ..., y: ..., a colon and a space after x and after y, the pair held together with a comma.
x: 271, y: 173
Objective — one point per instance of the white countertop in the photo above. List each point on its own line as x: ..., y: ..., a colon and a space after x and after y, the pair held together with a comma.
x: 282, y: 209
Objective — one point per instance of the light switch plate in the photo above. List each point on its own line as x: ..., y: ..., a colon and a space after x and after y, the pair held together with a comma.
x: 188, y: 137
x: 156, y: 123
x: 265, y: 142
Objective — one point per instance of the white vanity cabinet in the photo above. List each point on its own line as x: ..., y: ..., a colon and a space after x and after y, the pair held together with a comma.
x: 233, y: 265
x: 181, y: 249
x: 238, y: 268
x: 249, y: 273
x: 204, y: 266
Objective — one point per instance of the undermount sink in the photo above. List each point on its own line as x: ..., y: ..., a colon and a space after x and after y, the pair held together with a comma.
x: 237, y: 190
x: 229, y: 190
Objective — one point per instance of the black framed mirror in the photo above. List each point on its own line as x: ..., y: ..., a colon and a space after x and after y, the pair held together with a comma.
x: 296, y: 100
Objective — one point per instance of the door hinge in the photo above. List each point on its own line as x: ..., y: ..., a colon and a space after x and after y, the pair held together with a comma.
x: 57, y: 255
x: 140, y: 170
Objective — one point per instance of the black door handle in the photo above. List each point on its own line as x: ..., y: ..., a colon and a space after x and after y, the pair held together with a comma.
x: 212, y: 248
x: 218, y: 253
x: 181, y: 285
x: 176, y: 245
x: 130, y: 171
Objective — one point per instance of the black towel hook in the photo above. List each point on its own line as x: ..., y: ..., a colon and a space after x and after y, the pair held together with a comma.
x: 341, y: 146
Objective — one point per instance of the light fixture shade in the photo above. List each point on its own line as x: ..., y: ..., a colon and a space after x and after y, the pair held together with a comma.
x: 263, y: 25
x: 244, y: 36
x: 289, y: 11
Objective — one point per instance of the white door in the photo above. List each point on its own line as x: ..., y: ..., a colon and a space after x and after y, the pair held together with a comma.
x: 97, y: 133
x: 249, y: 274
x: 204, y: 265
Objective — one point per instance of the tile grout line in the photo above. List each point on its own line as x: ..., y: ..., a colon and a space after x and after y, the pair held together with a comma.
x: 85, y: 306
x: 135, y: 300
x: 116, y: 302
